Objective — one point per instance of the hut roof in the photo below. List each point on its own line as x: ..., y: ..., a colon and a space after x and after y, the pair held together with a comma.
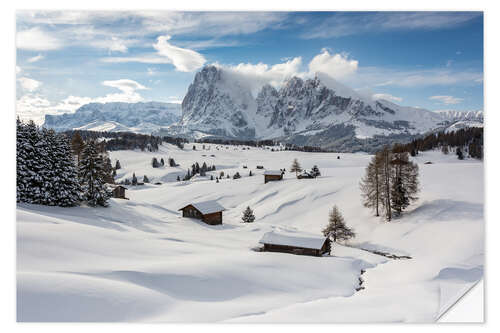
x: 206, y: 207
x: 273, y: 172
x: 295, y: 240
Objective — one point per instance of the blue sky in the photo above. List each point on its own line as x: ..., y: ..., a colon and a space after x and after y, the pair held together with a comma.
x: 65, y: 59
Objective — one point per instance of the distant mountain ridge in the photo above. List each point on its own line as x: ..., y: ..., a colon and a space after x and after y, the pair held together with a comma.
x: 140, y: 117
x: 317, y: 111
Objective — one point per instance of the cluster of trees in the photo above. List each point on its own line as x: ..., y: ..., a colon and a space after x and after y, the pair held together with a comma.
x: 296, y: 167
x: 156, y: 164
x: 196, y: 169
x: 48, y: 174
x: 468, y: 140
x: 390, y: 182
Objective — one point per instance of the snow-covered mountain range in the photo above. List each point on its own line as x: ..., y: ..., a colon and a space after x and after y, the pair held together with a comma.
x: 142, y: 117
x: 316, y: 111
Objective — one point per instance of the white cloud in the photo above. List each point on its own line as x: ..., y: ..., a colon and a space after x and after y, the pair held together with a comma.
x: 144, y: 59
x: 28, y: 84
x: 36, y: 58
x: 35, y: 39
x: 388, y: 97
x: 255, y: 76
x: 336, y: 65
x: 18, y: 69
x: 184, y: 60
x: 125, y: 85
x: 35, y: 106
x: 447, y: 99
x: 113, y: 44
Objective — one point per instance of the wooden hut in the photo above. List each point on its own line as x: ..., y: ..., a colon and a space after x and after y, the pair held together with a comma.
x: 272, y: 175
x: 295, y: 243
x: 119, y: 192
x: 209, y: 212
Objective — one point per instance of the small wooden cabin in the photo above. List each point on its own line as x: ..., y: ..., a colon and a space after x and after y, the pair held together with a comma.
x: 300, y: 244
x: 209, y: 212
x: 119, y: 192
x: 272, y: 175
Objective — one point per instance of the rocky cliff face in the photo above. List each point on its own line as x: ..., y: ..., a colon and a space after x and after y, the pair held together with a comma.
x: 216, y: 105
x: 219, y: 104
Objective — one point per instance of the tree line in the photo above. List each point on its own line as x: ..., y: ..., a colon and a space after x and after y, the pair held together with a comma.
x: 468, y: 139
x: 48, y: 174
x: 128, y: 140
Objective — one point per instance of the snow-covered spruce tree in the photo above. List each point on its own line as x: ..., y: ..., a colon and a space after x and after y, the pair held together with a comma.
x: 295, y: 167
x: 154, y: 163
x: 66, y: 188
x: 145, y: 179
x: 92, y: 176
x: 118, y: 165
x: 162, y: 161
x: 237, y: 175
x: 336, y: 228
x: 134, y: 179
x: 248, y: 216
x: 108, y: 169
x: 315, y: 171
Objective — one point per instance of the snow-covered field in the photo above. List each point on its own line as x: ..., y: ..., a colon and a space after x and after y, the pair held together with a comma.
x: 138, y: 260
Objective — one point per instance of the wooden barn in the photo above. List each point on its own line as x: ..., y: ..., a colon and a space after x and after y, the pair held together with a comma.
x: 119, y: 192
x: 301, y: 244
x: 209, y: 212
x: 272, y: 175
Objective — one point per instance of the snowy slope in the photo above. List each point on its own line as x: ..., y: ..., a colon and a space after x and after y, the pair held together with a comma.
x: 138, y: 260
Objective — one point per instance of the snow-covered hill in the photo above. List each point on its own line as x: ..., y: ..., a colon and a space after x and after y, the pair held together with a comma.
x: 139, y: 260
x: 143, y: 117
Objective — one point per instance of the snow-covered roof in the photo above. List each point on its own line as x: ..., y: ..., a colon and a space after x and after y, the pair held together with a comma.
x: 207, y: 207
x: 273, y: 172
x: 295, y: 240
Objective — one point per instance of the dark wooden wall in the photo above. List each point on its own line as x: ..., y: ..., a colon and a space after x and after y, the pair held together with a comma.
x: 269, y: 178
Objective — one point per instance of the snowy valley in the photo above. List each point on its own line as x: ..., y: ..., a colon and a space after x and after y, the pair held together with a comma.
x: 139, y: 260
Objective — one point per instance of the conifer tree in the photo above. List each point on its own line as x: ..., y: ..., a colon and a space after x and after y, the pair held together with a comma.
x: 250, y: 173
x: 134, y: 179
x: 162, y: 162
x: 145, y: 179
x: 295, y: 167
x: 91, y: 175
x: 248, y: 216
x: 336, y: 228
x: 371, y: 184
x: 108, y: 170
x: 77, y: 145
x: 315, y: 171
x: 67, y: 190
x: 154, y: 163
x: 118, y: 165
x: 178, y: 178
